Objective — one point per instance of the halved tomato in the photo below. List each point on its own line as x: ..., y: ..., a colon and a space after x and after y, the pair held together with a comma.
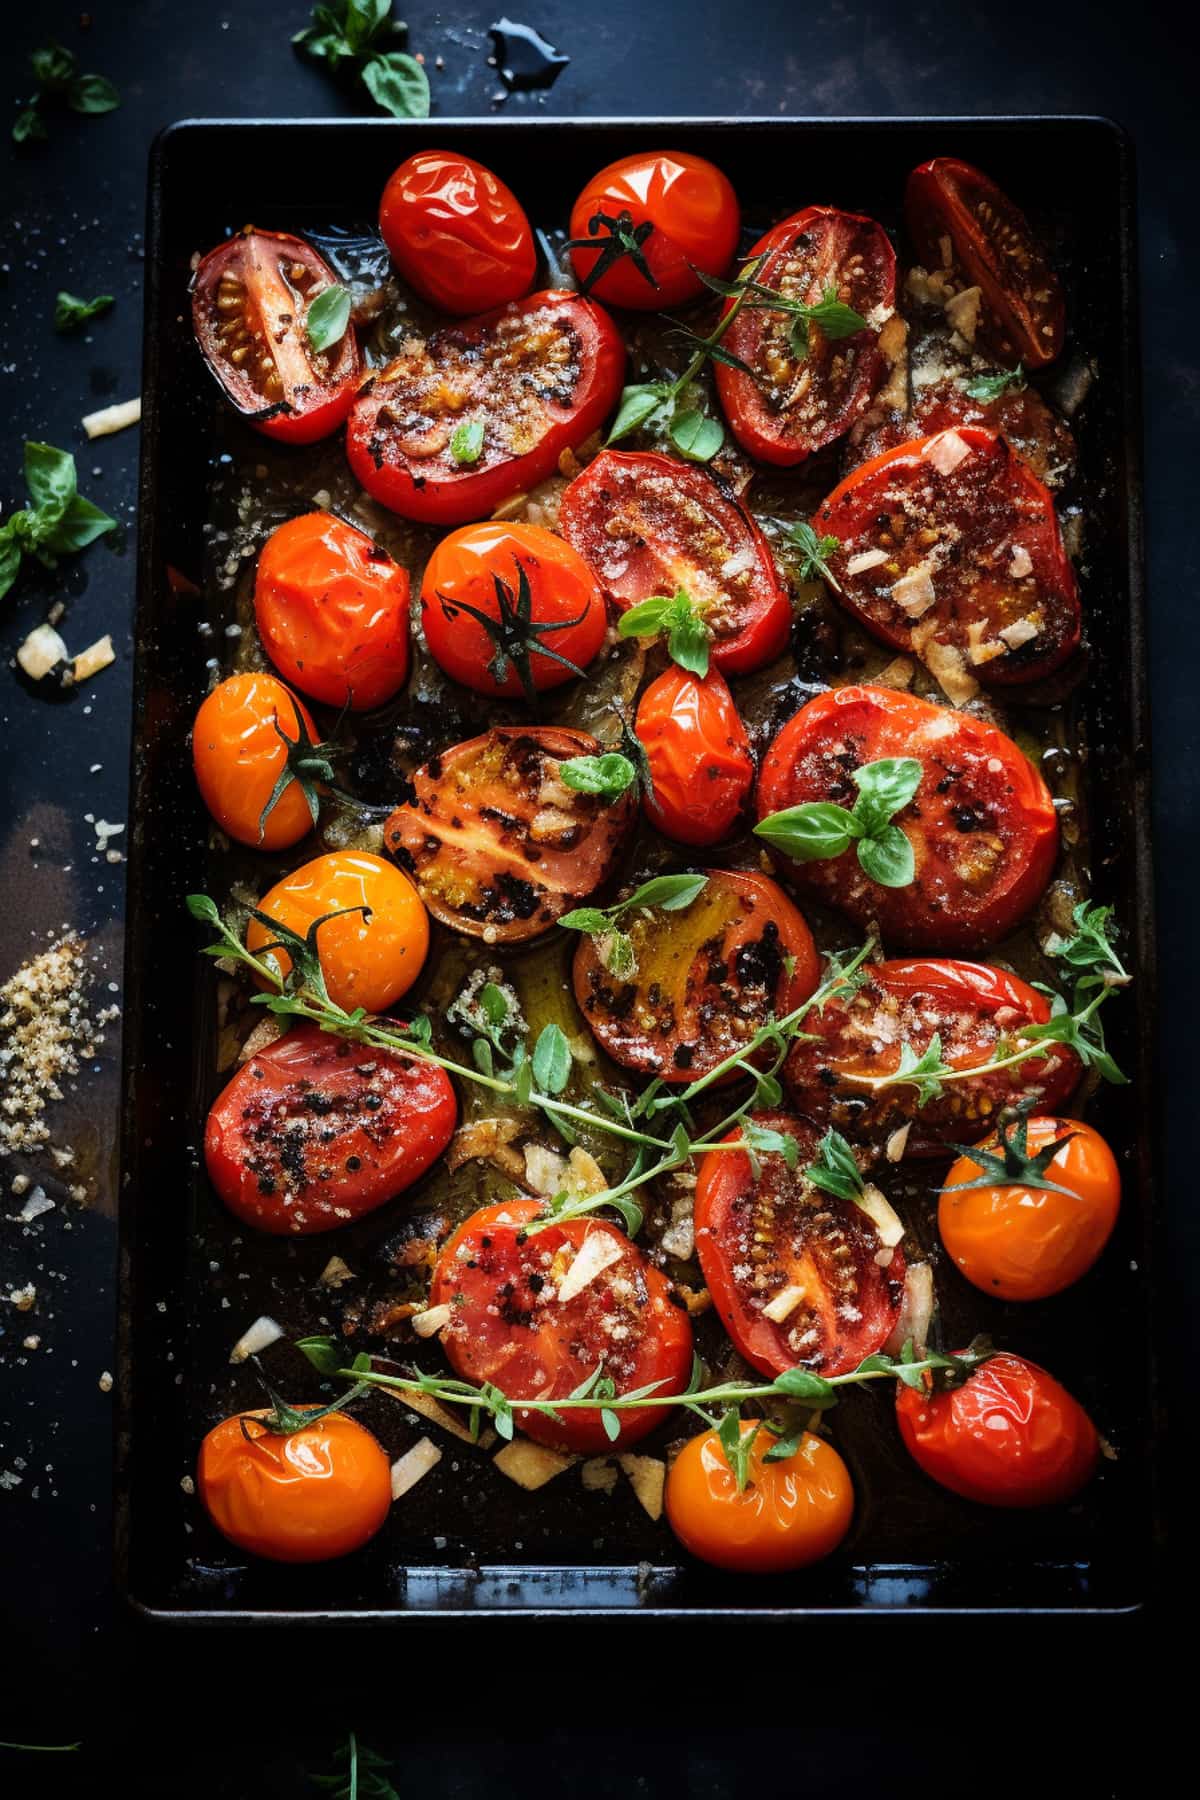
x: 456, y: 233
x: 971, y: 1007
x: 479, y: 412
x: 509, y: 1326
x: 643, y: 226
x: 706, y: 977
x: 701, y: 769
x: 649, y: 525
x: 250, y: 301
x: 789, y: 406
x: 497, y: 843
x: 953, y: 540
x: 1038, y: 436
x: 964, y: 227
x: 981, y: 825
x: 795, y: 1273
x: 315, y: 1131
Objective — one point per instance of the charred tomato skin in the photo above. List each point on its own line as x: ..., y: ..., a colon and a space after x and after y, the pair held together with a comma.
x: 701, y: 767
x: 457, y: 234
x: 694, y: 218
x: 310, y: 1496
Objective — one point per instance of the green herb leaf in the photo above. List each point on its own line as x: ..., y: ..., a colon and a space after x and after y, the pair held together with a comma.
x: 585, y: 918
x: 81, y: 524
x: 674, y: 893
x: 990, y: 387
x: 696, y: 437
x: 397, y: 83
x: 923, y: 1072
x: 59, y: 520
x: 50, y: 478
x: 29, y: 127
x: 814, y: 551
x: 328, y: 316
x: 835, y: 1170
x: 70, y: 312
x: 737, y: 1445
x: 466, y: 445
x: 552, y: 1060
x: 52, y: 67
x: 888, y: 859
x: 801, y: 1384
x: 204, y: 909
x: 326, y: 1354
x: 638, y: 406
x: 884, y: 789
x: 811, y: 832
x: 678, y: 616
x: 767, y: 1142
x: 92, y: 94
x: 608, y: 775
x: 617, y: 953
x: 783, y: 1447
x: 818, y: 829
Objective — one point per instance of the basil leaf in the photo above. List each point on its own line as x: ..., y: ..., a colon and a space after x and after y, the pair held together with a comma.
x: 29, y: 127
x: 397, y: 82
x: 638, y: 404
x: 81, y: 524
x: 328, y: 316
x: 552, y: 1060
x: 672, y: 892
x: 52, y: 66
x: 50, y: 478
x: 585, y: 918
x: 888, y: 858
x: 10, y: 558
x: 70, y: 312
x: 990, y: 387
x: 809, y: 832
x: 92, y: 94
x: 646, y: 619
x: 363, y: 19
x: 695, y: 436
x: 466, y: 445
x: 608, y: 775
x: 884, y: 787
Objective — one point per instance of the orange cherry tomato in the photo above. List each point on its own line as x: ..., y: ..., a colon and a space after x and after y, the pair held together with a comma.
x: 701, y: 768
x: 1024, y: 1242
x: 789, y: 1514
x: 458, y: 236
x: 314, y: 1494
x: 671, y: 212
x: 332, y: 611
x: 368, y: 957
x: 238, y: 757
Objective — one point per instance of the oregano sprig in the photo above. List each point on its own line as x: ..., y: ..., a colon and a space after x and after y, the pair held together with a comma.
x: 833, y: 316
x: 818, y: 829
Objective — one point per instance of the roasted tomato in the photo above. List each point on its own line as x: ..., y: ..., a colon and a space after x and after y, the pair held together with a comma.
x: 304, y: 1496
x: 790, y: 1513
x: 545, y: 612
x: 332, y: 611
x: 1039, y: 436
x: 458, y: 236
x: 971, y: 1008
x: 970, y: 232
x: 537, y: 1314
x: 790, y: 406
x: 314, y: 1131
x: 239, y: 755
x: 700, y: 762
x: 981, y: 824
x: 1009, y: 1436
x: 649, y: 525
x: 953, y: 541
x: 374, y: 952
x: 250, y: 301
x: 706, y: 977
x: 498, y: 844
x: 794, y: 1272
x: 643, y: 226
x: 538, y: 377
x: 1014, y: 1237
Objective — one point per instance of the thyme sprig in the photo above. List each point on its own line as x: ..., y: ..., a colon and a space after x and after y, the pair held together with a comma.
x: 515, y: 633
x: 832, y: 316
x: 362, y: 1778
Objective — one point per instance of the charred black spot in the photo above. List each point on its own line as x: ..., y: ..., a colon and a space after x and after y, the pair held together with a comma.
x: 684, y: 1054
x: 760, y: 963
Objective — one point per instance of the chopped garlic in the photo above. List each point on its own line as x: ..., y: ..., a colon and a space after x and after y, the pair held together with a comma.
x: 865, y: 559
x: 89, y: 662
x: 599, y: 1474
x: 897, y: 1144
x: 113, y: 418
x: 647, y: 1477
x: 783, y: 1305
x: 427, y: 1324
x: 1022, y: 631
x: 413, y: 1466
x: 42, y: 651
x: 1021, y: 564
x: 963, y: 313
x: 598, y: 1251
x: 268, y: 1031
x: 335, y: 1274
x: 914, y: 592
x: 260, y: 1336
x: 545, y: 1170
x: 882, y: 1215
x: 530, y: 1465
x: 916, y: 1310
x: 948, y: 669
x: 946, y: 451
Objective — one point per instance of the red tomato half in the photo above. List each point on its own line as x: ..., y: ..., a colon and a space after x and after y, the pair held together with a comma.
x: 509, y: 1326
x: 692, y: 214
x: 966, y: 228
x: 649, y: 525
x: 250, y: 301
x: 458, y: 236
x: 789, y: 407
x: 539, y: 376
x: 315, y: 1131
x: 981, y: 824
x: 701, y: 768
x: 1039, y: 437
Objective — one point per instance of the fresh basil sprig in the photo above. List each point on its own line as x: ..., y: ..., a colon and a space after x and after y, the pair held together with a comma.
x: 56, y: 72
x: 818, y: 829
x: 681, y: 620
x: 350, y: 37
x: 58, y: 523
x: 328, y: 316
x: 990, y: 387
x: 70, y: 312
x: 673, y: 893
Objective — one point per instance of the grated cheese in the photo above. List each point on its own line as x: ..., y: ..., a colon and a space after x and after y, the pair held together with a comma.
x: 946, y: 451
x: 866, y: 559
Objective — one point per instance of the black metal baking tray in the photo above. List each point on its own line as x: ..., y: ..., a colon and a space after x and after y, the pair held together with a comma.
x: 471, y: 1544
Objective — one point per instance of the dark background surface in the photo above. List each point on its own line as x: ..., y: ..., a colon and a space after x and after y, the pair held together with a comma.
x: 165, y: 1712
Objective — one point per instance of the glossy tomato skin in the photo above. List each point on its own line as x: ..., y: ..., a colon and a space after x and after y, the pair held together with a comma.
x: 963, y: 225
x: 540, y: 375
x: 648, y: 524
x: 1009, y: 1436
x: 790, y: 1514
x: 776, y: 414
x: 332, y: 611
x: 250, y: 297
x: 314, y: 1132
x: 695, y: 219
x: 319, y: 1493
x: 982, y: 823
x: 707, y: 976
x: 457, y: 234
x: 373, y: 954
x: 701, y: 768
x: 509, y: 1326
x: 466, y: 567
x: 1027, y: 1243
x: 238, y: 758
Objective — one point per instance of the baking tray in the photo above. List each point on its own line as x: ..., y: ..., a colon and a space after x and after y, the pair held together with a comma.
x: 465, y: 1541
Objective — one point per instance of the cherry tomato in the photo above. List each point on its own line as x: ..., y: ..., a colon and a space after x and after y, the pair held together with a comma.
x: 250, y: 301
x: 538, y: 377
x: 1009, y: 1436
x: 493, y: 569
x: 238, y: 757
x: 332, y: 611
x: 497, y: 843
x: 1038, y: 436
x: 971, y: 1008
x: 790, y: 406
x: 314, y: 1132
x: 374, y: 953
x: 953, y: 540
x: 981, y: 824
x: 965, y: 228
x: 508, y: 1324
x: 314, y: 1494
x: 649, y: 525
x: 458, y: 236
x: 790, y: 1513
x: 678, y: 212
x: 706, y: 977
x: 1020, y: 1241
x: 700, y: 762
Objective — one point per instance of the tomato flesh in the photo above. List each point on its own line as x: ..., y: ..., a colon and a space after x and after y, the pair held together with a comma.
x: 457, y: 234
x: 1020, y: 415
x: 693, y: 214
x: 701, y: 768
